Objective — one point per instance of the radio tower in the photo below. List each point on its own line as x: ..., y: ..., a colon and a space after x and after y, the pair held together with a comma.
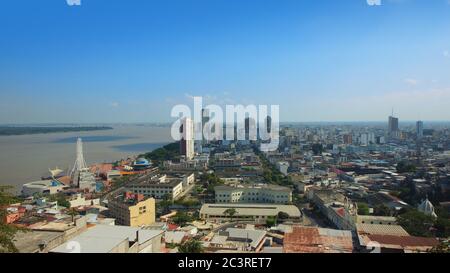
x: 80, y: 164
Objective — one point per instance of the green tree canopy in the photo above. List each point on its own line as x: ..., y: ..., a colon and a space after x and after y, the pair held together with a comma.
x: 181, y: 218
x: 7, y: 232
x: 191, y: 246
x: 363, y: 209
x: 230, y: 213
x: 317, y: 148
x: 271, y: 221
x: 405, y: 167
x: 168, y: 152
x: 382, y: 210
x: 60, y: 198
x: 283, y: 215
x: 416, y: 223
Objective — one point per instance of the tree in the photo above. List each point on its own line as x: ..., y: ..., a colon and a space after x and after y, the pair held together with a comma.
x: 382, y: 210
x: 317, y: 148
x: 230, y: 213
x: 282, y: 216
x: 7, y: 232
x: 443, y: 247
x: 181, y: 218
x: 271, y: 221
x: 168, y: 152
x: 405, y: 167
x: 416, y: 223
x: 363, y: 209
x: 442, y: 227
x: 60, y: 199
x: 72, y: 212
x: 191, y: 246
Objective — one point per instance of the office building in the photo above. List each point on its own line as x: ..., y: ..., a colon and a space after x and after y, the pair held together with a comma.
x: 348, y: 139
x: 393, y: 130
x: 419, y: 129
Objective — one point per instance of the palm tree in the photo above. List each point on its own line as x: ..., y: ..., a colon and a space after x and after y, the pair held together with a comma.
x: 230, y: 213
x: 73, y: 213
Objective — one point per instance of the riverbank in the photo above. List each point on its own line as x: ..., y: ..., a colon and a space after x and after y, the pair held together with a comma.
x: 27, y: 158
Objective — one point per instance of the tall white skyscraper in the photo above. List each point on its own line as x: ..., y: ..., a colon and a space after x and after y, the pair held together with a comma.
x: 187, y: 138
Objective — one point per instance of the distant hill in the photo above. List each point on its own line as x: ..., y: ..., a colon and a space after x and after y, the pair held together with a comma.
x: 14, y: 131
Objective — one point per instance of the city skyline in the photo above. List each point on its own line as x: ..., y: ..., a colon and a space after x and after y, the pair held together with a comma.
x: 104, y: 62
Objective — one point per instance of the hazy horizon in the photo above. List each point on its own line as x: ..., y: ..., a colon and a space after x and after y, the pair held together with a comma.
x: 169, y: 123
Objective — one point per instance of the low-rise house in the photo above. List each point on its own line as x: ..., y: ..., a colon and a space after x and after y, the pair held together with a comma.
x: 79, y: 200
x: 243, y: 240
x: 336, y: 207
x: 377, y: 229
x: 376, y: 243
x: 14, y: 213
x: 175, y: 237
x: 385, y: 199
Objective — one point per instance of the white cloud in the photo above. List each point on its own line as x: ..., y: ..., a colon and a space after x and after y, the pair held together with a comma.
x: 411, y: 81
x: 446, y: 54
x: 114, y: 104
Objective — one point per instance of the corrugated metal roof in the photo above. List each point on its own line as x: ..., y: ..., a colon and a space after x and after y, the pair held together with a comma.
x: 375, y: 229
x: 317, y: 240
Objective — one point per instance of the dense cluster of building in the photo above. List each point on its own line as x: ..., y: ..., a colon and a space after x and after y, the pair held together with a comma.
x: 338, y: 188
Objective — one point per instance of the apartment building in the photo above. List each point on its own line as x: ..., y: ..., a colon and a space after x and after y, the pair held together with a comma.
x: 132, y: 210
x: 162, y: 187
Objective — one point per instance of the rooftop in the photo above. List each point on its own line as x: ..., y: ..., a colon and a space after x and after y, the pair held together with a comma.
x: 103, y: 238
x: 375, y: 229
x: 250, y: 209
x: 254, y: 186
x: 31, y: 241
x: 406, y: 243
x: 318, y: 240
x: 238, y: 237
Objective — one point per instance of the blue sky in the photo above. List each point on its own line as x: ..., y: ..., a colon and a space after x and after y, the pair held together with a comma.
x: 131, y: 61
